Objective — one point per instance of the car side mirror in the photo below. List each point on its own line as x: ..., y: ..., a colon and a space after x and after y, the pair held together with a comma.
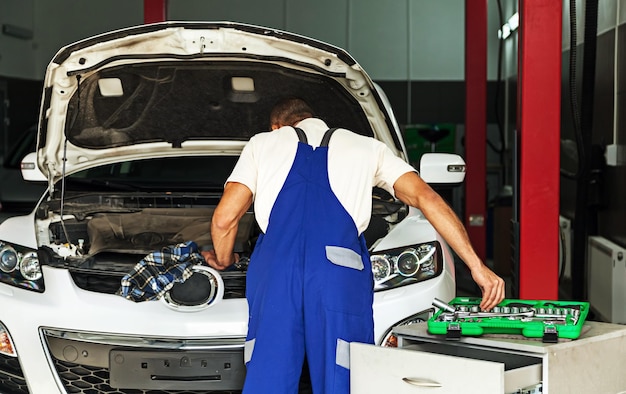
x: 30, y: 170
x: 442, y: 168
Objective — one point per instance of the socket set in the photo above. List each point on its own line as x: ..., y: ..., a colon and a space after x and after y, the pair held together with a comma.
x: 548, y: 320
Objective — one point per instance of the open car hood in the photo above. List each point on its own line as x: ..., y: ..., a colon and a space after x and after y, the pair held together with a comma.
x: 176, y: 88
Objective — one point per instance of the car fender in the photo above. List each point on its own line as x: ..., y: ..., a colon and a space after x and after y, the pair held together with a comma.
x: 19, y: 230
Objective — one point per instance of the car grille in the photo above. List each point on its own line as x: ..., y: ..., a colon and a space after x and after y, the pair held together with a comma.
x: 11, y: 377
x: 234, y: 282
x: 85, y: 379
x: 89, y: 373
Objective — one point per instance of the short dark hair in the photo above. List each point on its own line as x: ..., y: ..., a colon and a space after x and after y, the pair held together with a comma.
x: 289, y: 111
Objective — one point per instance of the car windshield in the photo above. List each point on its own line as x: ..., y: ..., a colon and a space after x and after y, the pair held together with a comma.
x: 184, y: 173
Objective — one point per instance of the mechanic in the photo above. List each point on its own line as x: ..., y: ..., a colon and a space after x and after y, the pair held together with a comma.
x: 309, y: 282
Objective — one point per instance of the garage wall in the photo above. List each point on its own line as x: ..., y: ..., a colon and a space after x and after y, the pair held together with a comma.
x: 399, y: 40
x: 18, y: 49
x: 53, y: 24
x: 61, y: 22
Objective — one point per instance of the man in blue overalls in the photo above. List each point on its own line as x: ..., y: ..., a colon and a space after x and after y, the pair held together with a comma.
x: 309, y: 282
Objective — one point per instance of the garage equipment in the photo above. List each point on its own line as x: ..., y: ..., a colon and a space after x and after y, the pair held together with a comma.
x: 549, y: 320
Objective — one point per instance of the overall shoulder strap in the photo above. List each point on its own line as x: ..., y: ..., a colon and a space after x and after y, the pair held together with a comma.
x: 301, y: 135
x: 327, y: 135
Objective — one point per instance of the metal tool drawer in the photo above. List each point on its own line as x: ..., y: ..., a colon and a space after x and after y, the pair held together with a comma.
x: 593, y: 363
x: 414, y: 368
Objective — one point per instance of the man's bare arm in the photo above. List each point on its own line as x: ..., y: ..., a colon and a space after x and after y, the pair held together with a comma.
x: 412, y: 190
x: 235, y: 201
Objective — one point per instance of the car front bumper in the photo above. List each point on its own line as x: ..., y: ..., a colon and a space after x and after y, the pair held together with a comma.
x: 69, y: 340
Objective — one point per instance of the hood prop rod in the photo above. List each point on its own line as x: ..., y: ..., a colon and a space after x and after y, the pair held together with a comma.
x: 62, y: 205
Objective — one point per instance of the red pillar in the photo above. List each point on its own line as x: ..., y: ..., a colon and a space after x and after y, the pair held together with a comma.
x: 154, y: 11
x: 539, y: 125
x: 476, y: 123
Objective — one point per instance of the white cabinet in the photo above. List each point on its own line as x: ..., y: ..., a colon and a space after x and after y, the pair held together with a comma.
x: 376, y: 369
x: 593, y: 363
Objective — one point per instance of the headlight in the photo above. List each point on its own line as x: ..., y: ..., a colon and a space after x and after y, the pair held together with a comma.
x: 381, y: 267
x: 20, y: 267
x: 403, y: 266
x: 408, y: 262
x: 29, y: 267
x: 8, y: 259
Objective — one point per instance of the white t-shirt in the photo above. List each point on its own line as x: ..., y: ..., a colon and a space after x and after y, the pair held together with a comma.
x: 355, y: 165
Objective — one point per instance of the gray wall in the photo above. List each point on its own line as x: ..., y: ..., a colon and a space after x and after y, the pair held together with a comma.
x: 56, y: 23
x: 393, y: 40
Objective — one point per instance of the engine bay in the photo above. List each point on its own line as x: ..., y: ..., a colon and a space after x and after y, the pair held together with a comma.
x: 99, y: 237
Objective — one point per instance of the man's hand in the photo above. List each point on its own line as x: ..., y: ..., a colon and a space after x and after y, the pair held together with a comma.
x: 211, y: 259
x: 412, y: 190
x: 491, y: 285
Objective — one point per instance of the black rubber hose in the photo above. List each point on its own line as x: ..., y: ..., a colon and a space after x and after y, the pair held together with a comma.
x: 583, y: 221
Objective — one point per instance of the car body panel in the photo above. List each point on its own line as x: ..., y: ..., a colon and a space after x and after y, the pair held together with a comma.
x: 19, y: 230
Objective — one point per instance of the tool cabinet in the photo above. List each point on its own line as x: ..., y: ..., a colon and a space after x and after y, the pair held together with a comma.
x: 593, y: 363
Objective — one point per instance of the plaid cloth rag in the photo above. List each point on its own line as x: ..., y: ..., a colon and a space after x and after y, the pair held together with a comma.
x: 156, y: 273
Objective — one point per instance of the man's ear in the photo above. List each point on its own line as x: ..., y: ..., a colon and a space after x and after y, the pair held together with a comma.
x: 275, y: 126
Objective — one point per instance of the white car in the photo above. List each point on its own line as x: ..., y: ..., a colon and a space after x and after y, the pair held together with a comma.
x: 138, y: 130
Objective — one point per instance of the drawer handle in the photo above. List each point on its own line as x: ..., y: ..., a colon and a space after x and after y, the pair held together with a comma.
x: 421, y: 382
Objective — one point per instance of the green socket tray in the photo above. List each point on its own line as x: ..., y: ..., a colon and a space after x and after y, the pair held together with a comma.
x: 548, y: 320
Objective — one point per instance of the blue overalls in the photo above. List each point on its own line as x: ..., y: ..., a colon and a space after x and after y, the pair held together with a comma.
x: 309, y: 286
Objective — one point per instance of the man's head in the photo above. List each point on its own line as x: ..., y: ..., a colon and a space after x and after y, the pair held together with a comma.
x: 289, y: 112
